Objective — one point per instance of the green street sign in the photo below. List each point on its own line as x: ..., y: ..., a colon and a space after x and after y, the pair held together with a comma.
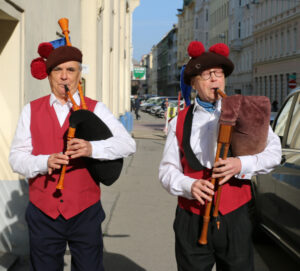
x: 139, y: 73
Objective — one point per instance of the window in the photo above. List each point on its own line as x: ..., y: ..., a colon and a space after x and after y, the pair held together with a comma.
x: 295, y: 40
x: 275, y: 46
x: 281, y: 122
x: 293, y: 139
x: 289, y: 44
x: 271, y: 47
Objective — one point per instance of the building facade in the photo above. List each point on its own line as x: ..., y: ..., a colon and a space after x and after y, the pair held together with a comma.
x: 276, y: 61
x: 240, y: 42
x: 153, y: 71
x: 102, y: 30
x: 167, y: 70
x: 201, y: 22
x: 218, y: 21
x: 186, y: 31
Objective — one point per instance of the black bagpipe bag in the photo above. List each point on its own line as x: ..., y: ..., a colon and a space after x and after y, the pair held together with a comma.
x: 90, y: 128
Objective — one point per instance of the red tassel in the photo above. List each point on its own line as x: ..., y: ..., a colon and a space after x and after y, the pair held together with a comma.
x: 220, y: 49
x: 195, y: 49
x: 44, y: 49
x: 38, y: 68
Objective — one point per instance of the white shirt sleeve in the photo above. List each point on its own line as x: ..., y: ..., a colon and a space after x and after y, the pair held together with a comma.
x: 170, y: 169
x: 20, y: 158
x: 121, y: 144
x: 264, y: 162
x: 176, y: 183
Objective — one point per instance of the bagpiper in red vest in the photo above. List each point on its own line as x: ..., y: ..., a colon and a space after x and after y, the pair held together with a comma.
x: 80, y: 190
x: 235, y: 192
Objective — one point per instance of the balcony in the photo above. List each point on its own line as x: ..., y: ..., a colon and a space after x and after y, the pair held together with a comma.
x: 236, y: 45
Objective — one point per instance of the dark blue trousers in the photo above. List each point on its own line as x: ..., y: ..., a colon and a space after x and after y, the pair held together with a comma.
x: 49, y: 237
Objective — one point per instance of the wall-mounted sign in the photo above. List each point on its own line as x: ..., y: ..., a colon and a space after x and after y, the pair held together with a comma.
x: 139, y: 73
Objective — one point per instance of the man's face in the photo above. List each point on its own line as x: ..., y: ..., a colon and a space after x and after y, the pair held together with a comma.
x: 207, y: 82
x: 67, y: 73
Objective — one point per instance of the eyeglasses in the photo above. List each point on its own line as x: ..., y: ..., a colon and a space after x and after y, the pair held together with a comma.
x: 207, y: 75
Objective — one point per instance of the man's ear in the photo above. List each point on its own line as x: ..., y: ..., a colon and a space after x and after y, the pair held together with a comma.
x: 193, y: 82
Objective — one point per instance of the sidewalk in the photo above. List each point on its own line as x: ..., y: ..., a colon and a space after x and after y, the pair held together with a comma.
x: 138, y: 231
x: 148, y: 127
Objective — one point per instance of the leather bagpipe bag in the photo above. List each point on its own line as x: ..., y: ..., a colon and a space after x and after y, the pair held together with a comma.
x: 90, y: 127
x: 250, y: 118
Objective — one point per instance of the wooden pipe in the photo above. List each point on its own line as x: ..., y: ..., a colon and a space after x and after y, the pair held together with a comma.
x: 64, y: 25
x: 224, y: 139
x: 70, y: 135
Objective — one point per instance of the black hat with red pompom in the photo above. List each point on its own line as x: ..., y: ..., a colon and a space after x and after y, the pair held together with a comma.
x: 217, y: 56
x: 50, y: 57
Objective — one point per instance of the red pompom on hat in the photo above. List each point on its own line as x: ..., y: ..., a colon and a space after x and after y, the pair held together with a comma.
x: 220, y: 48
x: 195, y: 49
x: 44, y: 49
x: 38, y: 68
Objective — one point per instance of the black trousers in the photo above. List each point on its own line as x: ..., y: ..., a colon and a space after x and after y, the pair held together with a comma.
x: 137, y: 116
x: 49, y: 237
x: 230, y: 247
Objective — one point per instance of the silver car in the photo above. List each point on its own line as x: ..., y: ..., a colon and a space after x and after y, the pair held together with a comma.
x: 277, y: 195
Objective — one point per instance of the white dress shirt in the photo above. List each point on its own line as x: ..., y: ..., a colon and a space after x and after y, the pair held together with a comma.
x: 203, y: 142
x: 121, y: 144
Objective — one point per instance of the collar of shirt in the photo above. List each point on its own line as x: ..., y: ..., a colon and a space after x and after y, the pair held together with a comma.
x: 198, y: 107
x: 62, y: 110
x: 76, y: 98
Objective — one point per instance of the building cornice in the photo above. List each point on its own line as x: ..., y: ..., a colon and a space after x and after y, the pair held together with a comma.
x: 276, y: 24
x: 277, y: 60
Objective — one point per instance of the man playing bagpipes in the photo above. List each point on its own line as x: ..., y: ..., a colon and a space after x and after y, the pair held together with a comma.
x: 73, y: 213
x: 188, y: 165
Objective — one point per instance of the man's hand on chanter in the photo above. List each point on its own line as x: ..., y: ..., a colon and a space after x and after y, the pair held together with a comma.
x: 226, y: 168
x: 79, y: 148
x: 202, y: 190
x: 55, y: 161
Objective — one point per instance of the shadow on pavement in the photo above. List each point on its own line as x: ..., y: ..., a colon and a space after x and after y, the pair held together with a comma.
x: 117, y: 262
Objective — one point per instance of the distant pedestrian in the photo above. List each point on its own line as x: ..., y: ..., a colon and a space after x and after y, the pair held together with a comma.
x: 164, y: 104
x: 137, y: 106
x: 274, y: 106
x: 131, y: 104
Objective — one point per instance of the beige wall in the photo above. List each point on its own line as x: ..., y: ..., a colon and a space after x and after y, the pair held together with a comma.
x: 11, y: 91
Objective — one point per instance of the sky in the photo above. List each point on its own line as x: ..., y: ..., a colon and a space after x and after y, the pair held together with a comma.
x: 151, y: 20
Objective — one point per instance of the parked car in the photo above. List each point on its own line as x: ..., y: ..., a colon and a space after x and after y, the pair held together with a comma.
x: 150, y: 102
x: 277, y: 194
x: 173, y: 104
x: 161, y: 105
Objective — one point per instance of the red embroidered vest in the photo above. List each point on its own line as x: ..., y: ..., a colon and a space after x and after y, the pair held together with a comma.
x: 80, y: 191
x: 235, y: 192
